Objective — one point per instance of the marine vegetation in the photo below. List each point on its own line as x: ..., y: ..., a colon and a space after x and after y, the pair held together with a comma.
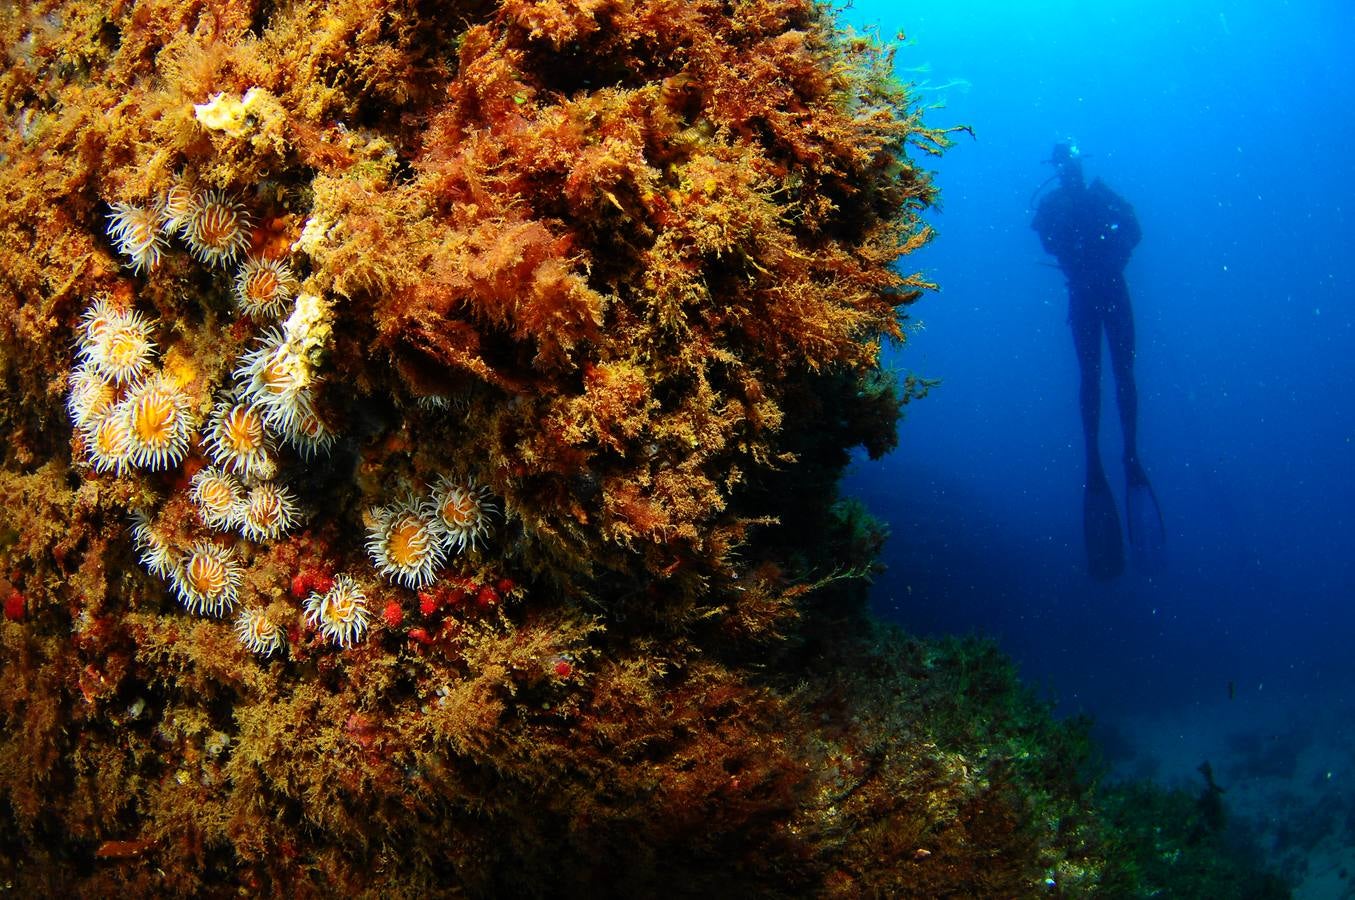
x: 422, y: 428
x: 1170, y: 842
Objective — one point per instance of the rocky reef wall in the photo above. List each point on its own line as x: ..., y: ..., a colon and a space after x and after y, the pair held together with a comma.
x: 422, y: 428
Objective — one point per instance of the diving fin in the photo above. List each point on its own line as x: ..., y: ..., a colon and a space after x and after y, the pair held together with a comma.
x: 1147, y: 533
x: 1101, y: 529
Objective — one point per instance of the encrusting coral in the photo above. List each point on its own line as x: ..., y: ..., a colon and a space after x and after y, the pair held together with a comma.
x: 481, y: 379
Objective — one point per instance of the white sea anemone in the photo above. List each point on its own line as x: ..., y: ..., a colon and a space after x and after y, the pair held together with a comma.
x: 340, y: 613
x: 258, y: 633
x: 135, y: 231
x: 208, y: 581
x: 403, y: 543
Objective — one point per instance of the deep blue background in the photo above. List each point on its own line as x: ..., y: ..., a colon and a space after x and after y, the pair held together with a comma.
x: 1229, y: 127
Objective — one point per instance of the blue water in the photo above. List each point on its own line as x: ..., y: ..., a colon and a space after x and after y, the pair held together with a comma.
x: 1229, y: 127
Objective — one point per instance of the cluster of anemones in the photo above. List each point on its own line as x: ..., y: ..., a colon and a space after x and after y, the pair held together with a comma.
x: 215, y: 227
x: 410, y: 540
x: 213, y: 224
x: 234, y: 494
x: 238, y: 490
x: 262, y: 512
x: 128, y: 414
x: 205, y: 577
x: 277, y: 389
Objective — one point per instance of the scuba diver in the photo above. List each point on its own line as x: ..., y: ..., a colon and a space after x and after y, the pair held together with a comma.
x: 1092, y: 231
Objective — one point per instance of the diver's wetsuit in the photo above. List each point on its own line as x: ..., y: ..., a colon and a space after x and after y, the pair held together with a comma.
x: 1092, y: 231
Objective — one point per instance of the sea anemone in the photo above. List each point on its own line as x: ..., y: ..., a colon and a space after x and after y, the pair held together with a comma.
x: 117, y: 343
x: 258, y: 633
x: 305, y: 430
x: 108, y: 440
x: 219, y: 497
x: 264, y: 287
x: 239, y: 442
x: 135, y: 231
x: 403, y: 543
x: 101, y: 312
x: 216, y: 228
x: 269, y: 511
x: 154, y: 551
x: 176, y: 208
x: 462, y: 512
x: 208, y: 582
x: 341, y: 613
x: 275, y: 377
x: 91, y: 396
x: 158, y: 424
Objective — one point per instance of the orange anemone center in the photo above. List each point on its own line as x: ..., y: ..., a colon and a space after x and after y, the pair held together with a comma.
x: 278, y: 377
x: 153, y: 419
x: 109, y: 438
x: 260, y: 628
x: 142, y: 230
x: 264, y: 508
x: 458, y: 510
x: 207, y: 574
x: 125, y: 350
x: 341, y: 607
x: 262, y: 286
x: 218, y: 226
x: 243, y: 431
x: 408, y: 542
x: 216, y: 494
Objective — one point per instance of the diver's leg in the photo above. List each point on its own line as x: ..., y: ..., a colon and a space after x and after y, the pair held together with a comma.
x: 1100, y: 519
x: 1147, y: 532
x: 1085, y: 323
x: 1119, y: 321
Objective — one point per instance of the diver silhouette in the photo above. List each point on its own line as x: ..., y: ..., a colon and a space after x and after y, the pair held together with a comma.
x: 1092, y: 232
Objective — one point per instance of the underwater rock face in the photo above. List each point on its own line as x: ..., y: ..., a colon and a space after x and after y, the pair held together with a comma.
x: 422, y: 435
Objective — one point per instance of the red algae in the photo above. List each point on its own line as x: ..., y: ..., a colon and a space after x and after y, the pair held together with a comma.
x: 15, y: 606
x: 596, y: 290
